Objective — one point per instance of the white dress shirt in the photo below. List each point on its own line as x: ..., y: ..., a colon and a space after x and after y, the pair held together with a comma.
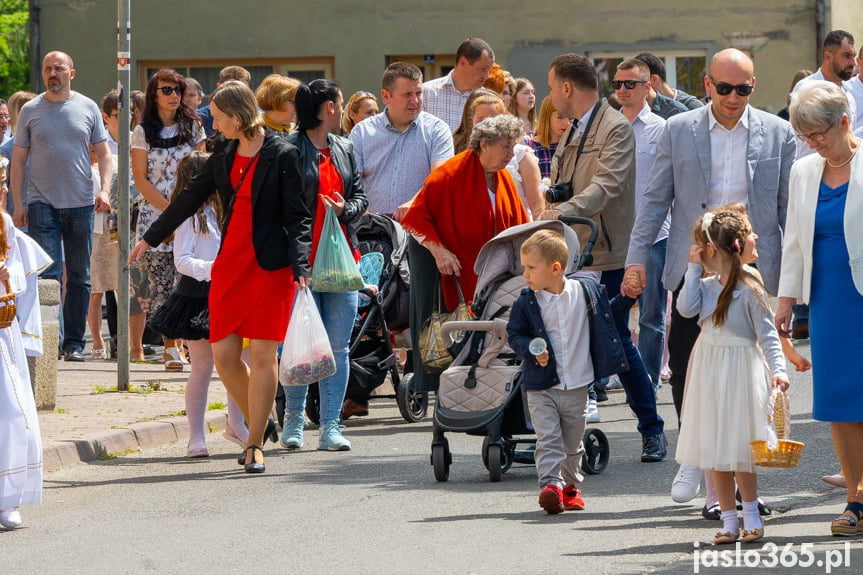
x: 728, y: 182
x: 566, y: 324
x: 194, y: 253
x: 648, y: 129
x: 855, y: 89
x: 581, y: 124
x: 803, y: 148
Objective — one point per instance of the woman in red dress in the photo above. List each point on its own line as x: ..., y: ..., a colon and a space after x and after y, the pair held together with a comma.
x: 264, y: 253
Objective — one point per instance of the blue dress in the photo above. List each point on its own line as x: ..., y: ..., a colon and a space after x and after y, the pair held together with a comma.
x: 835, y: 315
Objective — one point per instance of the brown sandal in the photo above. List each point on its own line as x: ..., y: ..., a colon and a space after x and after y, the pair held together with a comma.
x: 726, y: 538
x: 850, y: 522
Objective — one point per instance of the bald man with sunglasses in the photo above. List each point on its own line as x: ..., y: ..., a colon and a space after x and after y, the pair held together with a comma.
x: 721, y: 153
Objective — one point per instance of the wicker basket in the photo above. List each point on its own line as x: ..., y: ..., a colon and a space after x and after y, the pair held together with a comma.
x: 787, y: 452
x: 8, y: 308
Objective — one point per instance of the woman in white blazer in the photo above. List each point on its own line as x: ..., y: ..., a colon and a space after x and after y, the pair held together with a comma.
x: 822, y: 264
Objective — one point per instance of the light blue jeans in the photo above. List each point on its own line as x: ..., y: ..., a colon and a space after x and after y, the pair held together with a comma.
x: 338, y: 311
x: 651, y: 312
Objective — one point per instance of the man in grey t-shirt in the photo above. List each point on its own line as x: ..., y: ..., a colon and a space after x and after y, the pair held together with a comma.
x: 55, y: 131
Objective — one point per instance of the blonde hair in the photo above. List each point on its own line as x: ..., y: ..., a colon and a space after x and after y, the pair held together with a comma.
x: 237, y: 100
x: 549, y: 245
x: 543, y: 129
x: 275, y: 90
x: 726, y: 229
x: 353, y: 105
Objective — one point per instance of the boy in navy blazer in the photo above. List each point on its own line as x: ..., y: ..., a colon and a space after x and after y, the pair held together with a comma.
x: 574, y: 319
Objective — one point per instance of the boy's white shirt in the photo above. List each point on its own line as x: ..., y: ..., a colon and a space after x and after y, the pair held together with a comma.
x: 567, y: 327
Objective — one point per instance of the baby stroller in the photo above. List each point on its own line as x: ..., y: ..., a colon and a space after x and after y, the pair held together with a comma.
x: 481, y: 392
x: 383, y: 245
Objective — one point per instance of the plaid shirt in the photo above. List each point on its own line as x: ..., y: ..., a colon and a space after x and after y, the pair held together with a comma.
x: 442, y: 99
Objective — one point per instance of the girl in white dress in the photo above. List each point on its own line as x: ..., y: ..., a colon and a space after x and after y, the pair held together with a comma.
x: 729, y: 379
x: 21, y: 261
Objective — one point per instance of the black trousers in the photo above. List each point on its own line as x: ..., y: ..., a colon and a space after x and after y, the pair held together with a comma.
x: 682, y: 334
x: 424, y: 275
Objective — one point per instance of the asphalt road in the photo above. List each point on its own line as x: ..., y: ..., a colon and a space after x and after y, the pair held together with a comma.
x: 378, y: 509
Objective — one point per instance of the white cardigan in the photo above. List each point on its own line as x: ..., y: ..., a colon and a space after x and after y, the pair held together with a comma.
x: 795, y: 279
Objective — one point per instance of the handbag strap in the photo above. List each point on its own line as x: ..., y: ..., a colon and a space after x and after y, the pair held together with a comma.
x: 458, y: 288
x: 581, y: 142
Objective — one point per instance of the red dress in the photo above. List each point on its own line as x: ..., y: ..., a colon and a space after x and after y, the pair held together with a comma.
x: 244, y: 298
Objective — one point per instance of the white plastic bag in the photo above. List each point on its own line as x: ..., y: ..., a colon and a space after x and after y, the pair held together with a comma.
x: 306, y: 353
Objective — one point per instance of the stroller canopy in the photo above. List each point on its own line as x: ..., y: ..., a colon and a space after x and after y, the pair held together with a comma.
x: 501, y: 255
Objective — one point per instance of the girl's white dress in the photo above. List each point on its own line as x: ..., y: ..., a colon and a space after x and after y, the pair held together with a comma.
x: 728, y: 382
x: 20, y: 440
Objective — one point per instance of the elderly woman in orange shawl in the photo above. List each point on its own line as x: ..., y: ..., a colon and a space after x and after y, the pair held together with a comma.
x: 463, y: 204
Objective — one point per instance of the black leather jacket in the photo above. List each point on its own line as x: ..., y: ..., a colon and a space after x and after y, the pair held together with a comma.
x: 342, y: 154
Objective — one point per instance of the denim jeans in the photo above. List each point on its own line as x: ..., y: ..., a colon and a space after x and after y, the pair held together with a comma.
x: 652, y: 304
x: 636, y: 383
x: 801, y: 314
x: 73, y: 227
x: 338, y: 311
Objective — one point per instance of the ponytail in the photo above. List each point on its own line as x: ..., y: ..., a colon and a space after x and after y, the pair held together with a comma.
x: 309, y: 99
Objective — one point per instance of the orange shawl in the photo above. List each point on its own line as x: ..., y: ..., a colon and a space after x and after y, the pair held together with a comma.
x: 454, y: 210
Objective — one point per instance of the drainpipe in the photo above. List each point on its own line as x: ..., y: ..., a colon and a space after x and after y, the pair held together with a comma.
x: 820, y: 31
x: 35, y: 47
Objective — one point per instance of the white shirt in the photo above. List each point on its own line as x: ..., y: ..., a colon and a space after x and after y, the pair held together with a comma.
x: 728, y: 182
x: 855, y: 88
x: 566, y: 324
x: 803, y: 148
x: 581, y: 124
x: 648, y: 129
x: 194, y: 253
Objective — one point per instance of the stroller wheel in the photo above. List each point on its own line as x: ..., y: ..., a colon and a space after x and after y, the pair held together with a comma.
x: 506, y: 457
x: 441, y: 459
x: 413, y: 405
x: 313, y: 404
x: 495, y: 459
x: 596, y: 452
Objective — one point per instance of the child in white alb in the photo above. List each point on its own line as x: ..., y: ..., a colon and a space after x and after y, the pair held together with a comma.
x: 728, y: 384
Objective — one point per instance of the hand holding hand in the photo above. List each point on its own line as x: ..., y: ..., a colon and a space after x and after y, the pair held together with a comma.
x: 634, y: 280
x: 782, y: 319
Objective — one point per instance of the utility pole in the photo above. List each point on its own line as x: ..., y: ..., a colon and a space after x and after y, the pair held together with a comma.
x: 124, y: 65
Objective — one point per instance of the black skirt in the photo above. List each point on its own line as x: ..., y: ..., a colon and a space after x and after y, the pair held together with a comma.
x: 185, y: 314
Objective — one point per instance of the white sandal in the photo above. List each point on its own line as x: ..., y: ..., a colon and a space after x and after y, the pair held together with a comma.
x: 172, y: 359
x: 99, y: 354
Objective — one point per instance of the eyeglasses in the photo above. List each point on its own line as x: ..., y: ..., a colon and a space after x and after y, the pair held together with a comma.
x: 724, y: 88
x: 628, y: 84
x: 816, y: 137
x: 6, y: 116
x: 168, y: 90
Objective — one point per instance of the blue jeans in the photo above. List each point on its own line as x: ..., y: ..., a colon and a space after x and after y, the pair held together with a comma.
x: 338, y: 311
x: 73, y: 227
x: 639, y: 390
x: 800, y: 314
x: 652, y: 304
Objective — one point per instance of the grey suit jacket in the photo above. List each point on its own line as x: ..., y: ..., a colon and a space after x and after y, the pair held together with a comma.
x: 681, y: 178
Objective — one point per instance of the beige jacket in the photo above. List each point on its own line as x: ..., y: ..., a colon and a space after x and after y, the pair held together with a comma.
x: 603, y: 184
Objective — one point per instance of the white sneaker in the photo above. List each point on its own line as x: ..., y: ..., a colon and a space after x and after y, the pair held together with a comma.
x: 10, y: 518
x: 592, y: 412
x: 614, y: 383
x: 686, y: 484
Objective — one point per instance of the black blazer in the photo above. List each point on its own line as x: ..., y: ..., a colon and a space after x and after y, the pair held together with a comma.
x: 281, y: 223
x: 342, y: 155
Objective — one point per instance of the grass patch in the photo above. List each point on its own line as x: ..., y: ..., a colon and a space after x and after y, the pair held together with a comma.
x: 61, y: 410
x: 216, y: 405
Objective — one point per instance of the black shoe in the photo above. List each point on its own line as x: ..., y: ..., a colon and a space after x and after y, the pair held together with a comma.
x: 149, y: 349
x: 763, y: 510
x: 272, y: 432
x: 653, y: 448
x: 714, y: 513
x: 800, y: 332
x: 112, y: 348
x: 254, y: 467
x: 601, y: 395
x: 73, y: 355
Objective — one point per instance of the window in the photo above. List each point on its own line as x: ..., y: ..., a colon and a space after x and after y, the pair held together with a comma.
x: 207, y: 71
x: 432, y: 65
x: 683, y: 69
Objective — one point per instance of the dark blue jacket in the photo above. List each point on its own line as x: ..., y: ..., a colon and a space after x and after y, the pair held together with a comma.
x: 606, y: 351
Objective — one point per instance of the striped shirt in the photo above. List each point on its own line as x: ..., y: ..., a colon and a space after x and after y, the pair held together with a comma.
x: 442, y: 99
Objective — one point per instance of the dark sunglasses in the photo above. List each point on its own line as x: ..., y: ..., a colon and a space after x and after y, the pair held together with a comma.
x: 167, y: 90
x: 723, y: 88
x: 628, y: 84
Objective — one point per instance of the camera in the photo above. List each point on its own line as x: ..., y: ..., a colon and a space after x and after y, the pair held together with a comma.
x: 559, y: 192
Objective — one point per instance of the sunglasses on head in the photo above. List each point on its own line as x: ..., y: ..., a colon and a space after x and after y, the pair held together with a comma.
x: 362, y: 94
x: 168, y: 90
x: 724, y: 88
x: 628, y: 84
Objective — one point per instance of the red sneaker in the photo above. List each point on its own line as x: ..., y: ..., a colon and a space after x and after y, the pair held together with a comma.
x: 551, y: 499
x: 572, y: 500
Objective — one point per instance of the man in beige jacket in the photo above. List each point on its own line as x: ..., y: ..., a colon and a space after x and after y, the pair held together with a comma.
x: 597, y: 158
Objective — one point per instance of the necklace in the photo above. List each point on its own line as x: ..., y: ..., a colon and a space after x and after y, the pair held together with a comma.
x: 851, y: 157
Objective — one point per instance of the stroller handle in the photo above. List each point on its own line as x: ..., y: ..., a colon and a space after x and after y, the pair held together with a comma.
x: 447, y: 328
x: 586, y: 257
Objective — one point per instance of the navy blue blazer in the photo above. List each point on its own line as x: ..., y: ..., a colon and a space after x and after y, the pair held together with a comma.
x: 606, y: 351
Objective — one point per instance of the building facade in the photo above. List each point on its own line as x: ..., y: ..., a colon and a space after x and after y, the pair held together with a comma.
x: 354, y: 40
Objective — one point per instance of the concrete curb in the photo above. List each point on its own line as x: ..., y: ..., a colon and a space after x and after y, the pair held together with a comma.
x: 122, y: 441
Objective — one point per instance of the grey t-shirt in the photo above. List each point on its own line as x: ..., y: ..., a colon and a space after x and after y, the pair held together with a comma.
x: 59, y: 135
